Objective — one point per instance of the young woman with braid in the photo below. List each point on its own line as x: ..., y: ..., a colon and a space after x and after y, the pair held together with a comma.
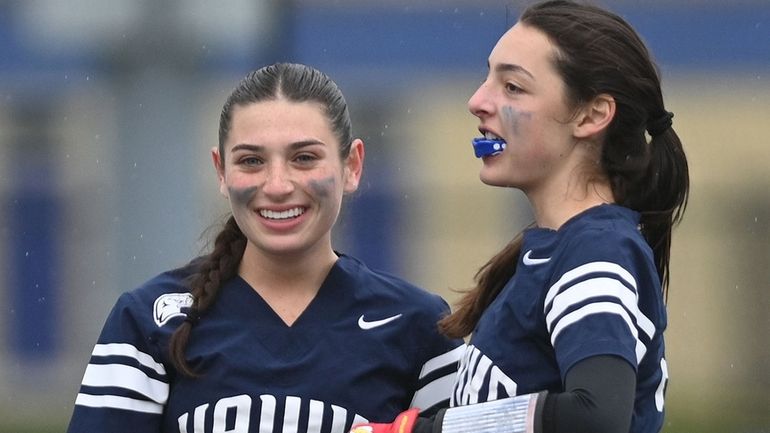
x: 566, y: 322
x: 273, y: 330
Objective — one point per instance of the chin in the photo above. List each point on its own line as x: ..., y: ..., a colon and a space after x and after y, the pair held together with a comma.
x: 491, y: 180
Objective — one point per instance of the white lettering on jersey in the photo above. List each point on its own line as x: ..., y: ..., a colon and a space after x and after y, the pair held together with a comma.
x: 235, y: 412
x: 267, y: 413
x: 316, y: 412
x: 242, y: 408
x: 200, y: 417
x: 476, y: 374
x: 182, y: 421
x: 291, y: 414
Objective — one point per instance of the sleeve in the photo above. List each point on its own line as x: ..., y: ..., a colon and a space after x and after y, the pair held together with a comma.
x: 593, y: 307
x: 598, y: 398
x: 125, y: 386
x: 439, y: 369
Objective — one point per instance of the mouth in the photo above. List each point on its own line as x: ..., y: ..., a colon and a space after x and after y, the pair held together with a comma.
x: 490, y: 144
x: 489, y: 135
x: 283, y: 215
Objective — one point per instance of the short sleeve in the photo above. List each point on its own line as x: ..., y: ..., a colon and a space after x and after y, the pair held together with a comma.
x: 125, y: 386
x: 439, y: 364
x: 592, y: 307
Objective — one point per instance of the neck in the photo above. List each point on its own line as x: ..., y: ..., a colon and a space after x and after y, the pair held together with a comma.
x: 286, y: 274
x: 552, y: 210
x: 287, y: 283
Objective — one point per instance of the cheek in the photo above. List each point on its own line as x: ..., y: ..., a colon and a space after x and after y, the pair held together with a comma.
x: 515, y: 121
x: 241, y: 196
x: 323, y: 188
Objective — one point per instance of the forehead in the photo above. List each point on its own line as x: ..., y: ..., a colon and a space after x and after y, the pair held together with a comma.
x: 526, y: 47
x: 279, y: 121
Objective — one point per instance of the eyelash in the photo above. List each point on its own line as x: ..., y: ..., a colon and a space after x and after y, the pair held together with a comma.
x: 305, y: 158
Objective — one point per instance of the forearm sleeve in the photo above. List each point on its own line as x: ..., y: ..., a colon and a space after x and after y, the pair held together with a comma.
x: 598, y: 398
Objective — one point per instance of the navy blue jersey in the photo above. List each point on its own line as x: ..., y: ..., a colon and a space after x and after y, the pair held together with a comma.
x: 587, y: 289
x: 366, y: 348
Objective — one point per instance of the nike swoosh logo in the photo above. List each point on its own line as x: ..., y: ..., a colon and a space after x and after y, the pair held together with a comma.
x: 529, y: 261
x: 364, y: 324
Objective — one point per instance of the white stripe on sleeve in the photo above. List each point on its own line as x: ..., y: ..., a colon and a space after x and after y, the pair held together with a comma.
x: 116, y: 402
x: 434, y: 392
x: 599, y: 308
x: 607, y: 267
x: 443, y: 360
x: 597, y: 287
x: 124, y: 349
x: 126, y: 377
x: 440, y: 388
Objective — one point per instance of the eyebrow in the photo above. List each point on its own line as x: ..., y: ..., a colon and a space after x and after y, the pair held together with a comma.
x: 509, y: 67
x: 293, y: 146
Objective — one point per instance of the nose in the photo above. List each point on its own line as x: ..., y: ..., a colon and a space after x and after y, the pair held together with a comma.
x: 278, y: 181
x: 479, y: 104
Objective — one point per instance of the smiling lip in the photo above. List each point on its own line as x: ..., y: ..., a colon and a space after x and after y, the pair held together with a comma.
x: 278, y: 215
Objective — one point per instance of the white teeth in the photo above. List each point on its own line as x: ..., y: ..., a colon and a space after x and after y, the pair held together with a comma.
x: 286, y: 214
x: 491, y: 136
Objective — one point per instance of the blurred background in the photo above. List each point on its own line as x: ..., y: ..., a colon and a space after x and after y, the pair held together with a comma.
x: 108, y: 111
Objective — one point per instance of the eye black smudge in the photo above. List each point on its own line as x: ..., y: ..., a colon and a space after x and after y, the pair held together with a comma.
x: 242, y: 195
x: 513, y: 118
x: 323, y: 187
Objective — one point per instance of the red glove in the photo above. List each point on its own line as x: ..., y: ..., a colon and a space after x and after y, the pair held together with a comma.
x: 404, y: 423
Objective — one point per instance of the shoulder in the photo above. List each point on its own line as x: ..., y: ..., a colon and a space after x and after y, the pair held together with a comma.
x: 605, y: 233
x: 158, y: 299
x: 381, y: 286
x: 141, y: 318
x: 603, y: 242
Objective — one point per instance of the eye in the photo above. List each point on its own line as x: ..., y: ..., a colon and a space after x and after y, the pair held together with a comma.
x: 513, y: 88
x: 250, y: 161
x: 306, y: 158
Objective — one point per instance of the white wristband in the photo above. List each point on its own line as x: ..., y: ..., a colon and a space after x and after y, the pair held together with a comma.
x: 507, y: 415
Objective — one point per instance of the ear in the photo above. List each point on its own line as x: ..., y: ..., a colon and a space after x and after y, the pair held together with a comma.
x: 595, y: 116
x: 219, y: 166
x: 354, y: 165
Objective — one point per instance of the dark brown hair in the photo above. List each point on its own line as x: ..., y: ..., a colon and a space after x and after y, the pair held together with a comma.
x: 293, y: 82
x: 597, y: 52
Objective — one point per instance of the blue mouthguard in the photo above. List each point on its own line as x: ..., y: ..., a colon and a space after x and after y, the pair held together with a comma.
x: 483, y: 146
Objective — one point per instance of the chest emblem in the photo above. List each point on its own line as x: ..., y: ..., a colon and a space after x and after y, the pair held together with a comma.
x: 365, y: 324
x: 170, y: 305
x: 528, y: 260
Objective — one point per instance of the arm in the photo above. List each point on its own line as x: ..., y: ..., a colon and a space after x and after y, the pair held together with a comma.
x: 124, y: 388
x: 598, y: 398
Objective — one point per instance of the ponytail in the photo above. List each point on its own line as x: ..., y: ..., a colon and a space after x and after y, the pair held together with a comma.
x: 598, y: 52
x: 663, y: 205
x: 212, y: 272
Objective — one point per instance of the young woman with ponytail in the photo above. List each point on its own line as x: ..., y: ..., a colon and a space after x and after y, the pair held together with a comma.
x: 566, y: 322
x: 273, y: 330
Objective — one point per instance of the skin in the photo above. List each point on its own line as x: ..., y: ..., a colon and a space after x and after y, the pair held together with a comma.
x: 284, y: 178
x: 553, y: 149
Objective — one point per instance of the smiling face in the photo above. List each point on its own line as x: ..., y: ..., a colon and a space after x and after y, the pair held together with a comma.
x: 522, y: 101
x: 284, y: 177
